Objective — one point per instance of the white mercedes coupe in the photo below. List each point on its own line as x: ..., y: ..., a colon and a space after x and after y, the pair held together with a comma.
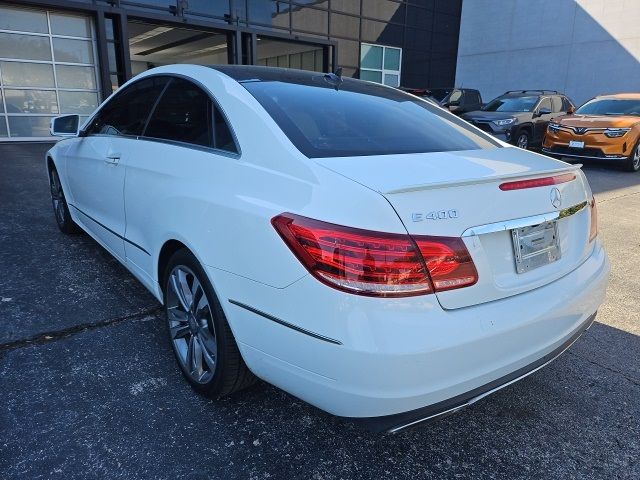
x: 356, y: 246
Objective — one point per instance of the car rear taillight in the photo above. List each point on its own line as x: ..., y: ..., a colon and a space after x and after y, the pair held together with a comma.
x: 375, y: 263
x: 593, y: 227
x: 538, y: 182
x: 448, y: 261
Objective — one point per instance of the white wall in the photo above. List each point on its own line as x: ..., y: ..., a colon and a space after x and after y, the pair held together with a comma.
x: 580, y: 47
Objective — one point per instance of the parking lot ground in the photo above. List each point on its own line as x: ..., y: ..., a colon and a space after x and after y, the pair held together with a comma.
x: 90, y: 389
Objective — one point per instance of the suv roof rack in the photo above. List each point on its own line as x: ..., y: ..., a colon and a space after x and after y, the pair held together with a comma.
x: 543, y: 92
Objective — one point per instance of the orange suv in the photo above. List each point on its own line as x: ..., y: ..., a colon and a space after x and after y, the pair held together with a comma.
x: 605, y: 128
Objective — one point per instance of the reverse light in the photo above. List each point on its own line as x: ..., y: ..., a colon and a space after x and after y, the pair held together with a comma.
x: 504, y: 122
x: 376, y: 264
x: 593, y: 225
x: 538, y: 182
x: 616, y: 132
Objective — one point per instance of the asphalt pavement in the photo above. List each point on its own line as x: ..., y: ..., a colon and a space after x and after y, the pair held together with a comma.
x: 89, y: 387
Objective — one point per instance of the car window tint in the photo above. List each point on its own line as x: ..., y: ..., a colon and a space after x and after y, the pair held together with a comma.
x: 360, y: 118
x: 183, y: 114
x: 223, y: 138
x: 610, y: 106
x: 511, y: 104
x: 474, y: 97
x: 129, y: 109
x: 545, y: 103
x: 455, y: 96
x: 556, y: 104
x: 566, y: 103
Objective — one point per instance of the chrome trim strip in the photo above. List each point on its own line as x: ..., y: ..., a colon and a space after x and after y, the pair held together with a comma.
x: 108, y: 229
x: 551, y: 152
x: 582, y: 132
x: 285, y: 324
x: 523, y: 222
x: 473, y: 400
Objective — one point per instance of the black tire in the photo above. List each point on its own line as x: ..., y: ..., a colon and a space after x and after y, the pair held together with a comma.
x: 203, y: 327
x: 60, y: 207
x: 522, y: 139
x: 632, y: 163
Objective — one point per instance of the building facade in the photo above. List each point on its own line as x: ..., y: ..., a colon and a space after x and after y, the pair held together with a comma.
x: 579, y: 47
x: 59, y: 56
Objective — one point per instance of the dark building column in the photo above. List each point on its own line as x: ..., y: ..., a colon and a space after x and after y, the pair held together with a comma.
x: 123, y: 51
x: 103, y: 56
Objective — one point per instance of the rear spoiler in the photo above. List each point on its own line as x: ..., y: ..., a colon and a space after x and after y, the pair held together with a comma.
x: 514, y: 176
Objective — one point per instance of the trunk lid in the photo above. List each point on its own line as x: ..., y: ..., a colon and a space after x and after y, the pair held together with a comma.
x: 454, y: 193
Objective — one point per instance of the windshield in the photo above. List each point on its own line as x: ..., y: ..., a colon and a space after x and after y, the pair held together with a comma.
x: 511, y: 104
x: 610, y: 107
x: 361, y: 118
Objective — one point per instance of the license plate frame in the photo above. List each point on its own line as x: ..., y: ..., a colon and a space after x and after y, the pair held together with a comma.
x: 576, y: 144
x: 535, y: 246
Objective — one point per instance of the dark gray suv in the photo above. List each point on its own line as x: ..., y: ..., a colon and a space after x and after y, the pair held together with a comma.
x: 520, y: 117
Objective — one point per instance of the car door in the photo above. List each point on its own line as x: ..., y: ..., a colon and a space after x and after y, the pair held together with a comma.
x: 543, y: 114
x: 176, y: 162
x: 96, y: 162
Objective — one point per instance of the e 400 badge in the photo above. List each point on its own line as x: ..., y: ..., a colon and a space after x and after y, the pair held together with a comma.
x: 435, y: 215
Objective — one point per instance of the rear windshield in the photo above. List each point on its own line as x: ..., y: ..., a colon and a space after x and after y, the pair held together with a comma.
x: 610, y: 107
x: 361, y: 118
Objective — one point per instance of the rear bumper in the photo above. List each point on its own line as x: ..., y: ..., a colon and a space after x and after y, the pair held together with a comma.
x: 402, y: 421
x: 364, y: 357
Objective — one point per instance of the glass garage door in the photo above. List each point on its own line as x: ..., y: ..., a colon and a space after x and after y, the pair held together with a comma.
x: 47, y: 68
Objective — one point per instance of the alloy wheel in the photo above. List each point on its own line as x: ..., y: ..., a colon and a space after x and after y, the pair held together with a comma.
x: 636, y: 158
x: 191, y: 325
x: 523, y: 141
x: 57, y: 198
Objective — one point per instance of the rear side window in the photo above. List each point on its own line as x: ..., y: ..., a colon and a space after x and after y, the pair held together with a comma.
x: 183, y: 114
x: 127, y: 112
x: 545, y: 103
x: 556, y: 104
x: 223, y: 138
x: 360, y: 118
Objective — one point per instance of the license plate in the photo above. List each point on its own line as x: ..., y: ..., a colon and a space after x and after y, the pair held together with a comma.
x: 535, y: 246
x: 575, y: 144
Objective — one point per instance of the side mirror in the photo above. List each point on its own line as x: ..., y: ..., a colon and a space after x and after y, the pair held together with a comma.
x: 65, y: 126
x: 544, y: 111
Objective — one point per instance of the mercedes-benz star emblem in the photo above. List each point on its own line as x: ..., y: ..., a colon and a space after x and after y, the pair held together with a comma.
x: 556, y: 198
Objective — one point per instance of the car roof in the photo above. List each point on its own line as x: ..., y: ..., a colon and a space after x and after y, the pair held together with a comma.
x: 530, y: 93
x: 243, y: 73
x: 626, y: 96
x: 256, y: 73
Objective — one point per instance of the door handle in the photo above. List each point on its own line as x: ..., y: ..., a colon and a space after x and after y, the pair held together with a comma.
x: 112, y: 158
